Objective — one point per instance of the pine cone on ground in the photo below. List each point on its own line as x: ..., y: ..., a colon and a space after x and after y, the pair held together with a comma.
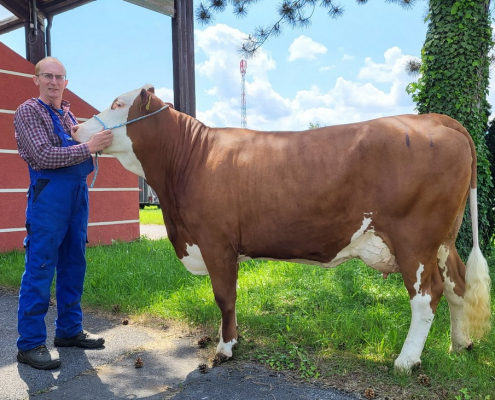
x: 423, y: 379
x: 139, y: 362
x: 369, y: 393
x: 203, y: 368
x: 203, y: 342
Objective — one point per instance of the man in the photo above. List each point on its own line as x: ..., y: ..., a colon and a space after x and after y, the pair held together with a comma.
x: 56, y: 218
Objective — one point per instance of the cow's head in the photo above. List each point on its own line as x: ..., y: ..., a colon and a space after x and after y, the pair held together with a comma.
x: 123, y: 109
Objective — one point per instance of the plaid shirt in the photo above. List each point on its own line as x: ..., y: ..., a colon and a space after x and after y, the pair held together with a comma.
x: 38, y: 145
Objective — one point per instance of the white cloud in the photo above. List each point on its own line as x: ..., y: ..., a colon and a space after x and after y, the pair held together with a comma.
x: 219, y: 44
x: 304, y: 47
x: 347, y: 57
x: 395, y: 63
x: 378, y: 90
x: 327, y: 68
x: 165, y: 94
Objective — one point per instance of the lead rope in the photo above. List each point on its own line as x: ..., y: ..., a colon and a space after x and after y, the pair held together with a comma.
x: 114, y: 127
x: 96, y: 169
x: 97, y: 154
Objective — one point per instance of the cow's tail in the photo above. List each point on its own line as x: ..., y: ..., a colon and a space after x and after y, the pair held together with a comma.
x: 476, y: 312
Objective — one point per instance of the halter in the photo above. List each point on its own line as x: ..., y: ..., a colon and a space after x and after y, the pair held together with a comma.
x: 132, y: 120
x: 115, y: 127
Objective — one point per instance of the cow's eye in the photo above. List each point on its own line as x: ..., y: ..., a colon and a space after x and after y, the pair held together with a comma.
x: 120, y: 104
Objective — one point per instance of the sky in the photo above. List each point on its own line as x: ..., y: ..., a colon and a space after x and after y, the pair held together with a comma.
x: 335, y: 71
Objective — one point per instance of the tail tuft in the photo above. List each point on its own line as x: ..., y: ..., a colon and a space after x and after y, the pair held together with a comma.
x: 477, y: 312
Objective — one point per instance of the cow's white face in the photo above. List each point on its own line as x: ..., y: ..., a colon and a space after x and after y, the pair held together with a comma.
x: 115, y: 115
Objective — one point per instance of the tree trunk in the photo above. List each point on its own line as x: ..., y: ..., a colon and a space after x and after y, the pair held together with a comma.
x: 454, y: 81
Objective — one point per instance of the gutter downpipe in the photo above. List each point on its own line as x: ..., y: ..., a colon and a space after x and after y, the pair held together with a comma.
x: 48, y: 42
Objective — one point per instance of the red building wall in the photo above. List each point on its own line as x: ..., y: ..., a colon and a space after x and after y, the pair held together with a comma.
x: 114, y: 199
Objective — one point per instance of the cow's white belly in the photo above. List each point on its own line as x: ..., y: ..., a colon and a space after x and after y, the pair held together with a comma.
x: 371, y: 249
x: 365, y: 244
x: 194, y: 262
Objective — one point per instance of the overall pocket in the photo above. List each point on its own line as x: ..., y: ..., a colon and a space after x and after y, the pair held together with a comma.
x: 39, y: 186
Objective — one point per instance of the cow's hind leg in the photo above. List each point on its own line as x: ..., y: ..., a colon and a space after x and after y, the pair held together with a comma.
x: 453, y: 273
x: 224, y: 282
x: 424, y: 284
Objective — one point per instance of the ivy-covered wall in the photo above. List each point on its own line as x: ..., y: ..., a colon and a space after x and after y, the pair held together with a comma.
x: 454, y: 81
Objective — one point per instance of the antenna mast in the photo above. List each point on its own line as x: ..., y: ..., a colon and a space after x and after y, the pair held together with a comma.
x: 243, y: 67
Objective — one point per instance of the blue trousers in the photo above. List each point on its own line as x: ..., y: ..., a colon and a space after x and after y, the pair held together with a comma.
x: 56, y: 222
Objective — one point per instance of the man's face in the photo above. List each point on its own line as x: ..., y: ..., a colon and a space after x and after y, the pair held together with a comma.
x: 51, y: 90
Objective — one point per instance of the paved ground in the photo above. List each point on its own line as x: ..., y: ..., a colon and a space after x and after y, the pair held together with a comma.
x: 169, y: 371
x: 153, y: 231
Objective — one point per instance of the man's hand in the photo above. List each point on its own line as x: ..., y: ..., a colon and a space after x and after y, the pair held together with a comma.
x: 100, y: 141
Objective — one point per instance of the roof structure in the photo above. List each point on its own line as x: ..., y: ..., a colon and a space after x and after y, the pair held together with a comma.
x: 32, y: 14
x: 22, y: 9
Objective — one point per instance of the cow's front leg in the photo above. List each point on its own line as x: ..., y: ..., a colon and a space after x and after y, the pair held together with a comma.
x: 224, y: 283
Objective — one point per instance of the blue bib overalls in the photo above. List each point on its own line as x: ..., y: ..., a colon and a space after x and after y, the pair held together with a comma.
x: 56, y: 224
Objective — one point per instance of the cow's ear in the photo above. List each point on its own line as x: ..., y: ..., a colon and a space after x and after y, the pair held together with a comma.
x: 170, y: 105
x: 151, y: 89
x: 144, y: 96
x: 145, y: 100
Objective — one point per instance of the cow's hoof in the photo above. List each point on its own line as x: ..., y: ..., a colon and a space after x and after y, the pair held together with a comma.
x: 221, y: 358
x: 215, y: 361
x: 224, y: 350
x: 406, y: 367
x: 461, y: 347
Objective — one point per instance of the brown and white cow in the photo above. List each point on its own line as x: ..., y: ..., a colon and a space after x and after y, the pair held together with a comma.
x: 390, y: 191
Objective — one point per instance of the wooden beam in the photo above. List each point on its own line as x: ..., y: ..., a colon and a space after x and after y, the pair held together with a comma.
x: 183, y: 57
x: 59, y: 6
x: 161, y: 6
x: 9, y: 24
x: 20, y: 8
x: 35, y: 39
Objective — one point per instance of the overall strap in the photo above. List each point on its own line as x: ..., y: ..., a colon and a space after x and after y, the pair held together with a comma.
x: 57, y: 126
x: 77, y: 171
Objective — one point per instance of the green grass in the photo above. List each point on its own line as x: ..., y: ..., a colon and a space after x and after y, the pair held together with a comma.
x: 150, y: 215
x: 340, y: 325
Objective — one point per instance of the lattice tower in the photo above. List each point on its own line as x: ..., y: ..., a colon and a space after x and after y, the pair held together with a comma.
x: 243, y: 67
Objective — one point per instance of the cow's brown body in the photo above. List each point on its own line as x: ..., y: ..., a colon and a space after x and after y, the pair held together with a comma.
x: 398, y: 184
x: 302, y: 195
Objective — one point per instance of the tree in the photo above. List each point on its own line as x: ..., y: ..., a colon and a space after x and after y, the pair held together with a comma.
x: 454, y: 74
x: 454, y: 81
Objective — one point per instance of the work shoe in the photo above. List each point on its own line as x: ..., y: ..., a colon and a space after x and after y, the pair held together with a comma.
x: 83, y: 339
x: 39, y: 358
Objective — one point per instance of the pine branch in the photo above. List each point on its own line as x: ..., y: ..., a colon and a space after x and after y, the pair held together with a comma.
x: 413, y: 66
x: 293, y: 13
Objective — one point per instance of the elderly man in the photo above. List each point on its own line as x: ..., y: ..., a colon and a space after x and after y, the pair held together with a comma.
x: 56, y: 218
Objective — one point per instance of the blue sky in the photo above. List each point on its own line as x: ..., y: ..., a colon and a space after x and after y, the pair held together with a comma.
x: 335, y: 71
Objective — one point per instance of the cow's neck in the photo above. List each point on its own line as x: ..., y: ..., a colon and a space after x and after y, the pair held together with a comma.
x: 176, y: 147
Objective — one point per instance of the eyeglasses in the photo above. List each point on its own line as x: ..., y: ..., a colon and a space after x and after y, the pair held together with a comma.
x: 49, y: 77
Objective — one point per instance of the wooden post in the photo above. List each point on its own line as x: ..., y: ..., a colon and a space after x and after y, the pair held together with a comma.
x: 183, y: 57
x: 35, y: 39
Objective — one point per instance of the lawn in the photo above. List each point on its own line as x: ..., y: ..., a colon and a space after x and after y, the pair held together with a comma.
x: 344, y: 326
x: 150, y: 215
